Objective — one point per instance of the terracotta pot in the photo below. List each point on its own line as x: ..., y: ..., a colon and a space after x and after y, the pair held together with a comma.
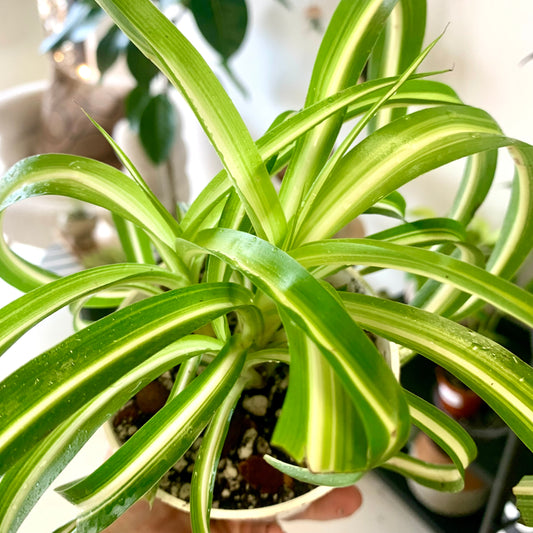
x: 454, y: 397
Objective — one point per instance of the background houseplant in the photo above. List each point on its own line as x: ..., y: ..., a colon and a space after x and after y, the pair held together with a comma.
x: 277, y: 255
x: 148, y: 107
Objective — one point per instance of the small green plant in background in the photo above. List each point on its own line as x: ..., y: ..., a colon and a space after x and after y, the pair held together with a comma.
x: 246, y: 250
x: 149, y: 109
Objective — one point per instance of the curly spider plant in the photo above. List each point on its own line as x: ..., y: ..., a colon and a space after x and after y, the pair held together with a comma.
x: 245, y: 249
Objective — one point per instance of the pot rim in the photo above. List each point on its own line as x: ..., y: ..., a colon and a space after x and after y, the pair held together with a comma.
x: 278, y: 510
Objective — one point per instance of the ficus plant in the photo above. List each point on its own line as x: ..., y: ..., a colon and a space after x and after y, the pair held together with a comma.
x: 149, y: 110
x: 263, y: 256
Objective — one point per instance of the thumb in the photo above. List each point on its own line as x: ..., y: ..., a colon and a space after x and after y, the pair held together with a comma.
x: 335, y: 504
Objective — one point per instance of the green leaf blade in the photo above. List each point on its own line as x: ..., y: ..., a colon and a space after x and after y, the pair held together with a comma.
x: 445, y: 431
x: 471, y: 279
x: 319, y: 315
x: 524, y: 498
x: 23, y: 485
x: 89, y: 361
x: 349, y: 39
x: 319, y: 425
x: 87, y: 180
x: 400, y: 42
x: 324, y: 479
x: 148, y: 454
x: 423, y: 140
x: 424, y: 232
x: 162, y: 42
x: 445, y: 478
x: 503, y: 380
x: 205, y: 465
x: 135, y: 243
x: 357, y: 99
x: 23, y: 313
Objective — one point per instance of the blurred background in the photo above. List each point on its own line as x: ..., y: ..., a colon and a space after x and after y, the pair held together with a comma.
x: 484, y: 44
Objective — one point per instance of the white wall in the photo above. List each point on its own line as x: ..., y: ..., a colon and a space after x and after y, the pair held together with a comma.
x: 20, y: 35
x: 484, y: 42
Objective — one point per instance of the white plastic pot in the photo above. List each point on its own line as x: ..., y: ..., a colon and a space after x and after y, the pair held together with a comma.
x: 20, y: 111
x: 273, y: 512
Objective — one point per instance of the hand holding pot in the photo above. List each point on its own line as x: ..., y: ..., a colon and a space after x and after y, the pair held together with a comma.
x: 162, y: 518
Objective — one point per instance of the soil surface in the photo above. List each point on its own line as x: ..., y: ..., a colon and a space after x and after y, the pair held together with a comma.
x: 244, y: 480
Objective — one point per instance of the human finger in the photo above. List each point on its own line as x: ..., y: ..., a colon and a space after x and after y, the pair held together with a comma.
x: 158, y: 518
x: 234, y: 526
x: 335, y: 504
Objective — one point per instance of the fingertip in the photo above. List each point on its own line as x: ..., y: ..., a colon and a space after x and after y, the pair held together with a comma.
x: 349, y: 499
x: 274, y: 528
x: 338, y: 503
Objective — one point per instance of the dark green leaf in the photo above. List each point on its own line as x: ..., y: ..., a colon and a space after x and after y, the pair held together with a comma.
x: 222, y: 23
x: 141, y: 68
x: 135, y: 104
x: 109, y: 48
x: 157, y: 128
